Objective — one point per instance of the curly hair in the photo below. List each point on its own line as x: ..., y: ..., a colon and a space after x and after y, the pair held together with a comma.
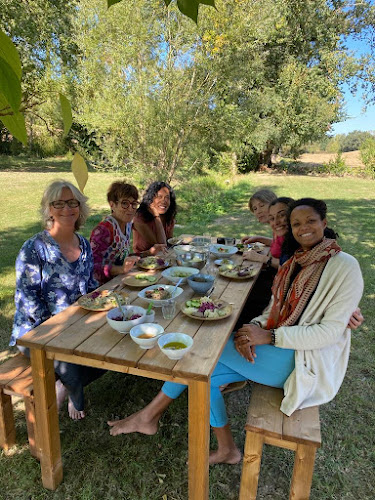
x: 121, y: 189
x: 290, y: 245
x: 53, y: 192
x: 149, y: 197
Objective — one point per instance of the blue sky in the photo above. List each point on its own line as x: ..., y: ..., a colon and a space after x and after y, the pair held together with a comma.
x: 357, y: 118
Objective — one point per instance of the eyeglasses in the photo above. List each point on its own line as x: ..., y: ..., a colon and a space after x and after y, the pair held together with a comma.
x: 126, y: 204
x: 59, y: 204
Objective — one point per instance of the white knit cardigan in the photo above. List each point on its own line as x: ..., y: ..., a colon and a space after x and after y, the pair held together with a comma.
x: 321, y: 339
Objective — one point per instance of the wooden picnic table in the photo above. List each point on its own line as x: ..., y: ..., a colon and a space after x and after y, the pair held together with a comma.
x: 83, y: 337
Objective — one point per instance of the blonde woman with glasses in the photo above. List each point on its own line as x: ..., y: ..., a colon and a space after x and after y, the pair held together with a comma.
x: 53, y: 269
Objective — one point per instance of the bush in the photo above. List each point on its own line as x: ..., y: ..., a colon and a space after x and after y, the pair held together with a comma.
x: 336, y: 166
x: 368, y: 156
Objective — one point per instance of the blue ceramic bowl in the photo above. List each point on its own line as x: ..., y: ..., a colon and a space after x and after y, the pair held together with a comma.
x: 201, y: 287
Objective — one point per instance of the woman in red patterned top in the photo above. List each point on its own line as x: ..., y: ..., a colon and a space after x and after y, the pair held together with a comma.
x: 110, y: 239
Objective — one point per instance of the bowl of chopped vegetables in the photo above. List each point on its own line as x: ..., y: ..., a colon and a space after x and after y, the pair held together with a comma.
x: 160, y: 294
x: 124, y: 321
x: 174, y: 274
x: 192, y: 259
x: 223, y: 250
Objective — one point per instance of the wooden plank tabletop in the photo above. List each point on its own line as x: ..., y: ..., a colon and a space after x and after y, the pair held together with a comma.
x: 86, y: 334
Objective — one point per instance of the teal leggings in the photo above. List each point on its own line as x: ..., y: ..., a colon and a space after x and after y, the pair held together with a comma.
x: 272, y: 367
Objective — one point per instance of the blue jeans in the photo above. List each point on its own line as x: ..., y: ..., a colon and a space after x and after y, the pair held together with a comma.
x: 74, y: 377
x: 272, y: 367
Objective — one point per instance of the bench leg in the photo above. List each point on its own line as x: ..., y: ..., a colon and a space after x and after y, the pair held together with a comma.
x: 7, y: 427
x: 31, y: 426
x: 251, y: 466
x: 302, y: 472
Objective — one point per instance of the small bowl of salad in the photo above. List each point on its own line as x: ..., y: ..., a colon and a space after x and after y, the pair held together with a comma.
x: 124, y: 320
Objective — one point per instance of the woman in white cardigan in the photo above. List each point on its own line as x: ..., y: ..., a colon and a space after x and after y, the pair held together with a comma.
x: 301, y: 342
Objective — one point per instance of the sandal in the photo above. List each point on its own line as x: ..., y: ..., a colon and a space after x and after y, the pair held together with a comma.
x: 234, y: 386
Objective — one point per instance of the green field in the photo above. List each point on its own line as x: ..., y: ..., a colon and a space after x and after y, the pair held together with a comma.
x: 136, y: 467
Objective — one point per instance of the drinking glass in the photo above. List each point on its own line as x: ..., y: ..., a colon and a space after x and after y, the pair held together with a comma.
x: 229, y: 241
x: 169, y: 309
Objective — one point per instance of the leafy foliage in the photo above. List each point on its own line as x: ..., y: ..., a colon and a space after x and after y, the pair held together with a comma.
x: 336, y: 166
x: 368, y: 155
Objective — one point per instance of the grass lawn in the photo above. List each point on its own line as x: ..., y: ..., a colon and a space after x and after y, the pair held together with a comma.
x: 137, y: 467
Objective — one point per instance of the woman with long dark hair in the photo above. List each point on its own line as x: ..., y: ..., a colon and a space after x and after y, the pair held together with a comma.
x: 301, y: 342
x: 155, y: 218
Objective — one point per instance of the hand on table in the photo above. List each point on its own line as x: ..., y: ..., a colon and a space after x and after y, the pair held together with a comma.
x: 158, y: 248
x: 356, y: 319
x: 246, y: 240
x: 255, y: 256
x: 129, y: 263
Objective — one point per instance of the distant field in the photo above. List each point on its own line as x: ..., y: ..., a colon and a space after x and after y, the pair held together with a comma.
x: 352, y: 159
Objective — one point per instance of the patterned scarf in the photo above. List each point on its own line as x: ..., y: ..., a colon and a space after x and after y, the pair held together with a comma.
x: 290, y: 299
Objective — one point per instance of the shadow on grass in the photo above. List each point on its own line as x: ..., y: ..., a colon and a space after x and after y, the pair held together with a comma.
x: 40, y: 165
x: 97, y: 465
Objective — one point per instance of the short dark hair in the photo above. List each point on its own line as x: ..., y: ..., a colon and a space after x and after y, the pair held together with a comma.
x: 121, y: 189
x: 290, y: 245
x: 149, y: 197
x: 282, y: 199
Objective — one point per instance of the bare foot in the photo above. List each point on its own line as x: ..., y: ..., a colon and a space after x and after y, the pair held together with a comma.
x: 230, y: 456
x: 61, y: 393
x: 73, y: 413
x: 137, y: 422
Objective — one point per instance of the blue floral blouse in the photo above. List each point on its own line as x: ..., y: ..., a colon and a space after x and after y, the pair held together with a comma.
x: 46, y: 283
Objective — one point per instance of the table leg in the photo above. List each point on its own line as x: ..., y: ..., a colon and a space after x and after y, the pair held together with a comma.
x: 199, y: 439
x: 47, y: 420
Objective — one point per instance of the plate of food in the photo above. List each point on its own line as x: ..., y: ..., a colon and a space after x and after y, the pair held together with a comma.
x: 237, y: 272
x: 102, y: 300
x: 174, y: 274
x: 222, y: 250
x: 258, y: 247
x: 224, y: 262
x: 206, y: 309
x: 241, y: 247
x: 175, y: 241
x: 152, y: 262
x: 159, y: 294
x: 141, y: 279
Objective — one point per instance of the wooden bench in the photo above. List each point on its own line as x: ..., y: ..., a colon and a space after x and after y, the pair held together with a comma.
x: 16, y: 380
x: 267, y: 424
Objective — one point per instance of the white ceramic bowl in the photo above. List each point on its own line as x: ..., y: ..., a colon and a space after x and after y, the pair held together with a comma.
x: 175, y: 337
x: 125, y: 326
x: 159, y: 303
x: 180, y: 249
x: 169, y: 273
x: 228, y: 250
x: 149, y: 329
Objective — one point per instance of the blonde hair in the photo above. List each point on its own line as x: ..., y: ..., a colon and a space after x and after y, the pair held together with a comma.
x: 53, y: 192
x: 264, y: 195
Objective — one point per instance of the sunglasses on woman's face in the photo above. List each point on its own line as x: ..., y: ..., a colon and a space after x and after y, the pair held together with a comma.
x: 59, y: 204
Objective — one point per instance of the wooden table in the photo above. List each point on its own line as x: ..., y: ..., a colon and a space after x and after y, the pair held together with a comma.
x: 83, y: 337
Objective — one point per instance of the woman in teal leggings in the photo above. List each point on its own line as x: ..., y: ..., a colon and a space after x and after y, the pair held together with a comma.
x: 272, y: 367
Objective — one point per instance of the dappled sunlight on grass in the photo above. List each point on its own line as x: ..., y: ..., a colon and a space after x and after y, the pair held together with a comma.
x: 137, y: 467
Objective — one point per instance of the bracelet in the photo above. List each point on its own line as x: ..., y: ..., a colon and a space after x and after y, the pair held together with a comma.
x: 273, y: 337
x: 255, y: 322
